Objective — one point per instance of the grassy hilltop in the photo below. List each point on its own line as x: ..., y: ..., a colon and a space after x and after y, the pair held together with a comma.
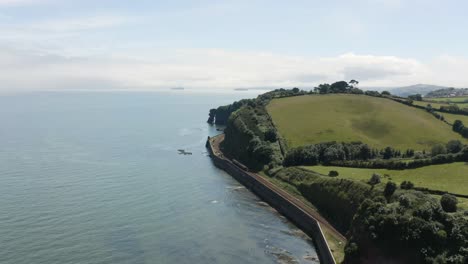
x: 378, y: 122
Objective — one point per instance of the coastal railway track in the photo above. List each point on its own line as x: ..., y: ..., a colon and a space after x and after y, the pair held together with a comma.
x: 216, y: 141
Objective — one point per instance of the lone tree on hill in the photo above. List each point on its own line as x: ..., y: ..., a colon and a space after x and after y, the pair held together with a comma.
x: 449, y: 203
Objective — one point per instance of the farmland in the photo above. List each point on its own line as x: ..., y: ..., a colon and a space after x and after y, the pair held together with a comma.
x: 378, y: 122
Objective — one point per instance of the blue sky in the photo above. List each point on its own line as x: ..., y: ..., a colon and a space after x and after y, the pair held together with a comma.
x: 145, y: 45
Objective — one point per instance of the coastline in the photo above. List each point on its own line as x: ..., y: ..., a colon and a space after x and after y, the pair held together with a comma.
x: 295, y: 210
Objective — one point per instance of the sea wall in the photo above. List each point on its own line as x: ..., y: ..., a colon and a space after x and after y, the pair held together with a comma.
x: 277, y: 200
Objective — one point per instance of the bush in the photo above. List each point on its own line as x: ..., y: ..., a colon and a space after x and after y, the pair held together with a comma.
x: 375, y: 179
x: 406, y: 185
x: 438, y: 149
x: 454, y: 146
x: 449, y: 203
x: 270, y: 135
x: 404, y: 201
x: 390, y: 189
x: 333, y: 173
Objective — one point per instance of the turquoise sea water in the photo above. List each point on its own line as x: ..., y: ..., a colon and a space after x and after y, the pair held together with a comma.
x: 96, y: 178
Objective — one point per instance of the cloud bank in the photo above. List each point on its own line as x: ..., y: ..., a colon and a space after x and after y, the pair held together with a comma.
x: 216, y: 69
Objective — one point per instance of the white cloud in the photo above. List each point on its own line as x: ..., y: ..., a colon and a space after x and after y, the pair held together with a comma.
x: 217, y: 69
x: 21, y: 2
x: 79, y: 24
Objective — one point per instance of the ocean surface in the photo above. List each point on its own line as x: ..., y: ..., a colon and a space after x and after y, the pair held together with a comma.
x: 96, y: 178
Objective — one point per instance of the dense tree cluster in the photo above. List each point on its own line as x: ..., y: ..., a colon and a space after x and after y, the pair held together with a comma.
x: 413, y: 229
x: 402, y: 226
x: 329, y: 152
x: 221, y: 114
x: 340, y: 87
x: 404, y: 164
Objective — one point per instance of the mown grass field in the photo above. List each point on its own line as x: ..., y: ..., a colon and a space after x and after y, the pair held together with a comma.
x: 446, y: 177
x: 378, y: 122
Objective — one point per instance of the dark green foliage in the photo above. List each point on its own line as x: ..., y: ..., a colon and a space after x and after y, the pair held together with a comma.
x: 270, y: 135
x: 352, y: 250
x: 403, y: 164
x: 460, y: 128
x: 412, y: 230
x: 333, y: 173
x: 388, y: 153
x: 457, y: 126
x: 390, y: 189
x: 387, y: 93
x: 406, y: 185
x: 372, y: 93
x: 322, y: 88
x: 438, y: 149
x: 415, y: 97
x: 250, y: 136
x: 374, y: 180
x: 221, y: 114
x: 356, y: 91
x: 454, y: 146
x: 328, y: 152
x: 339, y: 87
x: 449, y: 203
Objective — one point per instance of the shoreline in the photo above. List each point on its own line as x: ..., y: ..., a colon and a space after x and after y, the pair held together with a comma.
x: 296, y: 211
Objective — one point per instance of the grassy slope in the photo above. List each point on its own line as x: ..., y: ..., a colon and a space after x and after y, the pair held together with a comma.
x: 446, y: 177
x: 378, y: 122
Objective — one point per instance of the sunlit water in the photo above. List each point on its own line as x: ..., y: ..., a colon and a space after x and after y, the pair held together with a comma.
x: 96, y: 178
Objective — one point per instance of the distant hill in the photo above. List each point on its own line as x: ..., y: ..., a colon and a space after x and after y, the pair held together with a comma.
x: 448, y: 92
x: 422, y: 89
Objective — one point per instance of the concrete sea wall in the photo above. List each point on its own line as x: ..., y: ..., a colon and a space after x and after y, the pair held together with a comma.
x: 278, y: 200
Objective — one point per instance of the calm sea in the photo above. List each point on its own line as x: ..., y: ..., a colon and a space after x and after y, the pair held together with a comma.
x: 96, y: 178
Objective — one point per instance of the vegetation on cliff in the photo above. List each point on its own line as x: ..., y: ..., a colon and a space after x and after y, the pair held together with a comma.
x: 406, y: 226
x: 383, y: 213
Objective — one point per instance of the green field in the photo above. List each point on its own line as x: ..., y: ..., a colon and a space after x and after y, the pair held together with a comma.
x: 378, y: 122
x: 452, y: 117
x: 459, y: 99
x: 446, y: 177
x: 425, y: 103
